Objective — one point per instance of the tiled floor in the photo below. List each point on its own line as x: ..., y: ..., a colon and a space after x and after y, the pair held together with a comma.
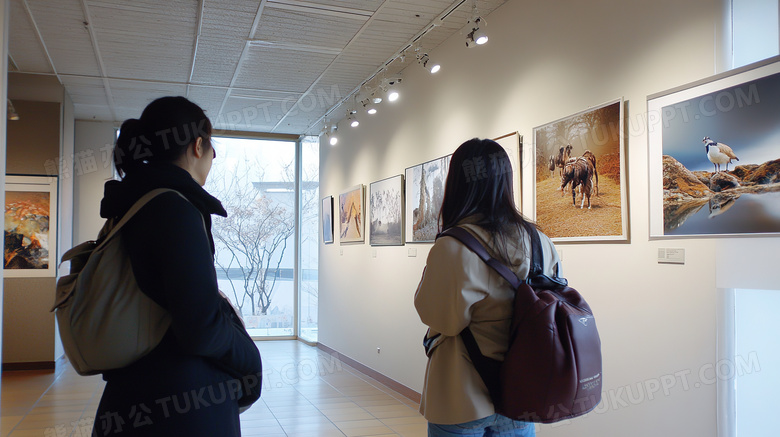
x: 305, y: 393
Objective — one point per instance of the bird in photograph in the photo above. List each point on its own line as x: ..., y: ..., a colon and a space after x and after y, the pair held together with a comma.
x: 718, y: 153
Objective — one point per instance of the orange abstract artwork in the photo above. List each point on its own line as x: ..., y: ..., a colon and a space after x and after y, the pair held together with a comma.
x: 26, y: 230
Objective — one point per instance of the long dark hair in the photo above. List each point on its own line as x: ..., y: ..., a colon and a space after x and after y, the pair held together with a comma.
x: 479, y: 185
x: 166, y: 127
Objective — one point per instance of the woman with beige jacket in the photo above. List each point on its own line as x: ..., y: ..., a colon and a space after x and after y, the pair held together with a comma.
x: 459, y: 290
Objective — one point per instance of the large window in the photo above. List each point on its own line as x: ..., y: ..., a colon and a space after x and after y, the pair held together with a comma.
x: 755, y: 30
x: 308, y: 279
x: 255, y: 245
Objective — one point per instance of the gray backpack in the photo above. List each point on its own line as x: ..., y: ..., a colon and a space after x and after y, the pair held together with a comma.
x: 105, y: 321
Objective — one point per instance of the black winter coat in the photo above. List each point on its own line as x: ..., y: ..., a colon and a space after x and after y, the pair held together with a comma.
x: 187, y: 386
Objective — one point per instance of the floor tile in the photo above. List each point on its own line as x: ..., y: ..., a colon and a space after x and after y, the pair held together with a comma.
x: 309, y: 394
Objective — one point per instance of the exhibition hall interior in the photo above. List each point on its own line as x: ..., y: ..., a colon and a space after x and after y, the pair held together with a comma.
x: 334, y: 126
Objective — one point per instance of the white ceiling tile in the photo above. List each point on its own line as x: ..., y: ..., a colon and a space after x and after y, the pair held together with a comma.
x: 304, y: 28
x: 86, y: 91
x: 357, y: 5
x: 251, y: 114
x: 92, y: 112
x: 281, y: 70
x: 66, y: 36
x: 24, y: 45
x: 304, y: 57
x: 208, y: 98
x: 225, y: 29
x: 146, y: 40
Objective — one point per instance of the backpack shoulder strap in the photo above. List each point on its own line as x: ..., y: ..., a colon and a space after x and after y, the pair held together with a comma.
x: 475, y: 246
x: 487, y: 368
x: 537, y: 259
x: 140, y: 203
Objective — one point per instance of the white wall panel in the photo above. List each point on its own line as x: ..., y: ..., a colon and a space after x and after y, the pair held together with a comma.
x: 545, y: 61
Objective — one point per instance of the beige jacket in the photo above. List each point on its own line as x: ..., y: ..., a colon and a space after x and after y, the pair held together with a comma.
x: 457, y: 290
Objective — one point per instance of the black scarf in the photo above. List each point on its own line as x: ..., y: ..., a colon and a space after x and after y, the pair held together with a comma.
x: 119, y: 196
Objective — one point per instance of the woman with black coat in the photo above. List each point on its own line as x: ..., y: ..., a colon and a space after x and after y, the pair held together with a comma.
x: 206, y: 366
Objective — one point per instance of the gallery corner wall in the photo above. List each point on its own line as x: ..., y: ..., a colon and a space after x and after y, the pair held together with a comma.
x: 43, y: 133
x: 545, y: 61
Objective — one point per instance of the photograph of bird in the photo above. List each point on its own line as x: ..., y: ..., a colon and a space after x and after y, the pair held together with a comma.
x: 718, y: 153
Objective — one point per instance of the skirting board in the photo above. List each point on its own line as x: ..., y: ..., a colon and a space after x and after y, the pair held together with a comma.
x: 35, y: 365
x: 393, y: 384
x: 55, y: 366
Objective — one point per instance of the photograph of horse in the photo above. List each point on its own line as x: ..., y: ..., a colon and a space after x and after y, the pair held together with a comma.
x: 580, y: 185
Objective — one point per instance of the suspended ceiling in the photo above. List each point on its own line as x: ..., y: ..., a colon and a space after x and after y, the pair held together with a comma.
x: 276, y: 66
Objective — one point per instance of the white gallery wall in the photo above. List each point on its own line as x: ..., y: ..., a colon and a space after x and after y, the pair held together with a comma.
x: 544, y: 61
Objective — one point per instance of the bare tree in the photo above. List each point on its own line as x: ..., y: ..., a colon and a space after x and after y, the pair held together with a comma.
x: 254, y: 236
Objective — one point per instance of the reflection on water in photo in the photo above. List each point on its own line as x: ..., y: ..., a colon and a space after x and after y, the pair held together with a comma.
x: 744, y: 214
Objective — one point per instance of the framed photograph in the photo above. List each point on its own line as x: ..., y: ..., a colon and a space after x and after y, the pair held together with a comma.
x: 30, y: 226
x: 326, y: 219
x: 351, y: 213
x: 424, y: 195
x: 580, y: 187
x: 386, y: 206
x: 714, y: 155
x: 513, y: 144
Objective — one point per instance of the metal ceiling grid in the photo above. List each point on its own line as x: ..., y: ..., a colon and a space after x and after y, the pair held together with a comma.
x: 229, y: 55
x: 24, y: 46
x: 135, y: 45
x: 66, y: 36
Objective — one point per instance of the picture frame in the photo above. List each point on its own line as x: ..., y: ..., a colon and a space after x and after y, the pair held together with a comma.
x: 326, y: 219
x: 424, y: 189
x: 692, y: 191
x: 352, y: 215
x: 30, y: 227
x: 386, y: 207
x: 513, y: 144
x: 576, y: 217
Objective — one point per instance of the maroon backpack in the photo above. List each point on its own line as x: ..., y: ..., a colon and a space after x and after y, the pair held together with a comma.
x: 552, y: 368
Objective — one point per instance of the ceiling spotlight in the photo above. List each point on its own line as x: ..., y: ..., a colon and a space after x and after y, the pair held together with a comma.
x: 390, y: 86
x: 369, y: 106
x: 477, y: 36
x: 353, y: 121
x: 330, y: 134
x: 428, y: 64
x: 12, y: 114
x: 376, y: 98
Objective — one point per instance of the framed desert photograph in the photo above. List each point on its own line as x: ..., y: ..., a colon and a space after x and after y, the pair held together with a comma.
x: 424, y: 195
x: 714, y: 155
x: 386, y: 211
x: 513, y: 144
x: 326, y: 219
x: 351, y: 215
x: 30, y: 226
x: 580, y: 187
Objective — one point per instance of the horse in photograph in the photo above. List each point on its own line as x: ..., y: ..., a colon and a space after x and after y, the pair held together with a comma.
x: 552, y: 166
x: 567, y: 175
x: 578, y: 172
x: 564, y: 154
x: 592, y: 161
